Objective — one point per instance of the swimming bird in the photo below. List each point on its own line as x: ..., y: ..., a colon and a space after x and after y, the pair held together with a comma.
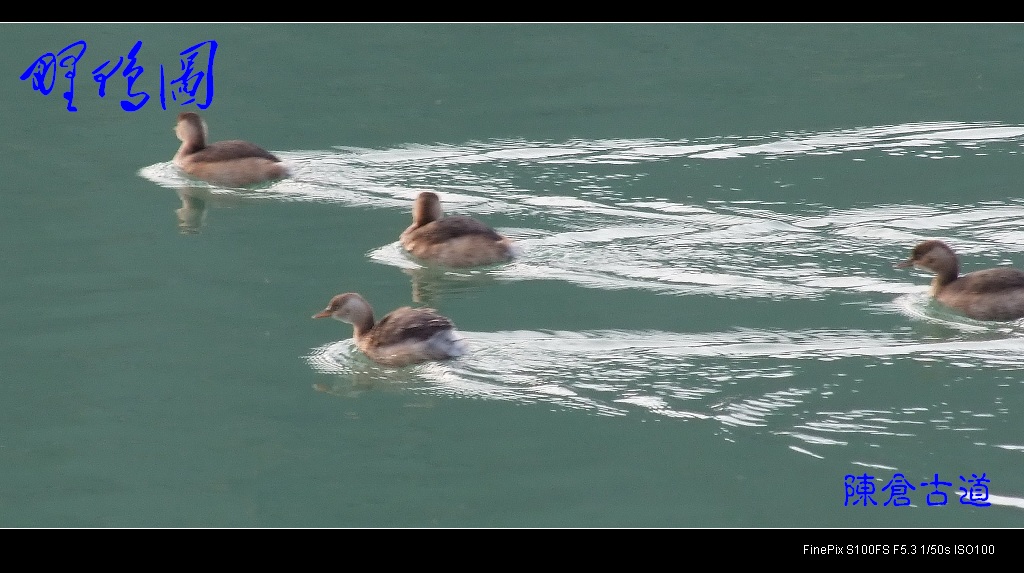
x: 989, y: 294
x: 233, y: 163
x: 456, y: 241
x: 404, y: 336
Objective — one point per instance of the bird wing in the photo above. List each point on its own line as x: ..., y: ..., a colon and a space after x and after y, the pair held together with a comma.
x: 990, y: 281
x: 233, y: 149
x: 406, y: 323
x: 454, y: 227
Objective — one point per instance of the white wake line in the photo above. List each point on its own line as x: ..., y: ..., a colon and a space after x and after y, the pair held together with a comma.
x: 555, y: 346
x: 636, y: 150
x: 854, y: 141
x: 759, y: 344
x: 617, y: 151
x: 413, y: 159
x: 1006, y: 500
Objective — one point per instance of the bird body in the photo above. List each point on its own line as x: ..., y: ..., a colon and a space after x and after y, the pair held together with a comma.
x: 232, y: 163
x: 404, y: 336
x: 989, y: 294
x: 457, y: 241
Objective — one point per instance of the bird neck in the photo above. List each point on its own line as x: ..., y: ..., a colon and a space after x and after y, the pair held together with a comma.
x: 943, y: 278
x: 188, y: 148
x: 363, y: 325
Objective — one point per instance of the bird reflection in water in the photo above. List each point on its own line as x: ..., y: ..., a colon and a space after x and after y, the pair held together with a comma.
x: 430, y: 283
x: 192, y: 213
x: 196, y: 203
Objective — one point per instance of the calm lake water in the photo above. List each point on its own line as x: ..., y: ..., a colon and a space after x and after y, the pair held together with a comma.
x: 704, y: 329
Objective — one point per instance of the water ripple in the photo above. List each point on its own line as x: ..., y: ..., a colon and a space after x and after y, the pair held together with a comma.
x: 740, y: 249
x: 596, y: 239
x: 740, y: 377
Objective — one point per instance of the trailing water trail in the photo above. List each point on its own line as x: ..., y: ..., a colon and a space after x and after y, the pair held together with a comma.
x: 598, y: 237
x: 609, y: 215
x: 737, y: 378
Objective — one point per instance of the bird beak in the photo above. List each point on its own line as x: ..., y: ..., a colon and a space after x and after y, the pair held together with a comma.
x: 904, y: 264
x: 322, y: 314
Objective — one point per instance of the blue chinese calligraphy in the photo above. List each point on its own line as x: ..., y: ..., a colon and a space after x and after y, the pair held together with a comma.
x: 102, y: 78
x: 195, y: 84
x: 190, y: 80
x: 976, y: 494
x: 44, y: 70
x: 859, y: 490
x: 940, y: 497
x: 897, y: 487
x: 132, y: 73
